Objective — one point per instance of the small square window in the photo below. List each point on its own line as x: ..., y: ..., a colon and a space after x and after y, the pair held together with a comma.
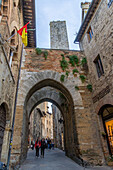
x: 90, y: 33
x: 99, y: 66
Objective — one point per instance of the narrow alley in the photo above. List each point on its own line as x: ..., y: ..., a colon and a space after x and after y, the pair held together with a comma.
x: 54, y: 160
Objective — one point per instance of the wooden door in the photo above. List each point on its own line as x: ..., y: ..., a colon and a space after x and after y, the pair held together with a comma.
x: 2, y: 125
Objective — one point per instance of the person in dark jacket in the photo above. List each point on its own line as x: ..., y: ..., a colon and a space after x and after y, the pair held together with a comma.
x: 43, y: 146
x: 37, y: 146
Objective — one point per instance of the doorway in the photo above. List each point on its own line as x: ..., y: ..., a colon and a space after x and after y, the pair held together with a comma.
x: 107, y: 117
x: 2, y: 125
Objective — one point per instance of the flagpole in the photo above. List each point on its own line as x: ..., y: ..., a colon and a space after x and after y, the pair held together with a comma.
x: 16, y: 32
x: 14, y: 111
x: 11, y: 37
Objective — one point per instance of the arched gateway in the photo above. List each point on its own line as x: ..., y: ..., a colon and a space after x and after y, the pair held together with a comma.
x: 40, y: 81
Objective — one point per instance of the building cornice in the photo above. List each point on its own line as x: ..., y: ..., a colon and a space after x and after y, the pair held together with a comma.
x: 87, y: 19
x: 29, y: 15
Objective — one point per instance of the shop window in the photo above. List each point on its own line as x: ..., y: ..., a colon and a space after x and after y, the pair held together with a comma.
x: 99, y: 66
x: 90, y: 34
x: 107, y: 116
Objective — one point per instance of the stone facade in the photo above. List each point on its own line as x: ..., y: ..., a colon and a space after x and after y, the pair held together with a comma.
x: 10, y: 21
x: 47, y: 121
x: 58, y: 35
x: 58, y: 128
x: 40, y: 81
x: 100, y: 46
x: 35, y: 127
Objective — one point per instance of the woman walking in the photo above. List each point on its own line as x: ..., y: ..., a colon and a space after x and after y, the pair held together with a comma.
x: 43, y: 146
x: 37, y: 146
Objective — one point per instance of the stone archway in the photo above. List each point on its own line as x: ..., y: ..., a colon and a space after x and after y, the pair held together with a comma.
x: 71, y: 140
x: 81, y: 130
x: 34, y: 83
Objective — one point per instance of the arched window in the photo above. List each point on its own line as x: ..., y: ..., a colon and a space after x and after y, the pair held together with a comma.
x: 13, y: 55
x: 2, y: 125
x: 107, y: 117
x: 4, y: 9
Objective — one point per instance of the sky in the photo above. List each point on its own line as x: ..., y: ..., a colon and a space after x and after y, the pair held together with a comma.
x: 54, y: 10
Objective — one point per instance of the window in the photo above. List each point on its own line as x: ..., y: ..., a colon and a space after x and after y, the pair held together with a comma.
x: 11, y: 57
x: 99, y: 67
x: 90, y: 33
x: 0, y: 4
x: 109, y: 2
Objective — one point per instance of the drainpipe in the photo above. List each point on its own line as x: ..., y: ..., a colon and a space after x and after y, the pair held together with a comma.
x: 14, y: 111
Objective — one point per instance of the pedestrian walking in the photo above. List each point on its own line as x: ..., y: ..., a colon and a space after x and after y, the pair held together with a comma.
x: 46, y: 142
x: 37, y: 146
x: 32, y: 145
x: 49, y: 143
x: 52, y: 144
x: 43, y: 146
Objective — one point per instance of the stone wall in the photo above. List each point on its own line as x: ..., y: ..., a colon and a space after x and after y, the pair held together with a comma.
x: 100, y: 44
x: 10, y: 20
x: 80, y: 122
x: 58, y: 128
x: 35, y: 127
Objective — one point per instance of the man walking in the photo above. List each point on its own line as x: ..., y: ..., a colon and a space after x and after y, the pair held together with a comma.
x: 43, y: 145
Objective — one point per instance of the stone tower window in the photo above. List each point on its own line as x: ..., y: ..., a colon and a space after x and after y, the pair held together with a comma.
x: 90, y: 34
x: 99, y: 66
x: 13, y: 38
x: 13, y: 55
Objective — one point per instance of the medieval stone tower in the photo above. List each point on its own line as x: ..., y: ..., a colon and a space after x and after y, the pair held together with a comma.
x: 58, y: 35
x: 85, y: 6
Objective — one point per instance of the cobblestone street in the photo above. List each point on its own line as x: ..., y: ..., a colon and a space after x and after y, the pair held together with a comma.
x: 54, y: 160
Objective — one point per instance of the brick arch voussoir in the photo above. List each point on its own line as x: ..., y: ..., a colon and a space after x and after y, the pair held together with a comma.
x: 35, y: 78
x: 42, y: 95
x: 102, y: 103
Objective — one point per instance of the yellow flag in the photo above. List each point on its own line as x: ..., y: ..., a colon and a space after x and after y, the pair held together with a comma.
x: 24, y: 37
x: 23, y: 33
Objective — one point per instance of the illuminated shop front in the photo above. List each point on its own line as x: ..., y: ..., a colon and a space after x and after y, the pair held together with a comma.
x: 107, y: 116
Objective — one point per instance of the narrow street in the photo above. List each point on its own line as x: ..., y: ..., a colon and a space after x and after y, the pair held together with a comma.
x: 54, y: 160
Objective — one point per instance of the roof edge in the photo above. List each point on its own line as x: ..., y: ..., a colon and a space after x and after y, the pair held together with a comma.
x: 86, y: 20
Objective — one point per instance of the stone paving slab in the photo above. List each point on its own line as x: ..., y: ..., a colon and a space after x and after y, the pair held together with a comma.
x: 54, y: 160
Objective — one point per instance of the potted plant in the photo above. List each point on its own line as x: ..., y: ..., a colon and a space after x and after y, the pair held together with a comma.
x: 104, y: 135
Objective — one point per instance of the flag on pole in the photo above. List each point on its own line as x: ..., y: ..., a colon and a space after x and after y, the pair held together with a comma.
x: 23, y: 32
